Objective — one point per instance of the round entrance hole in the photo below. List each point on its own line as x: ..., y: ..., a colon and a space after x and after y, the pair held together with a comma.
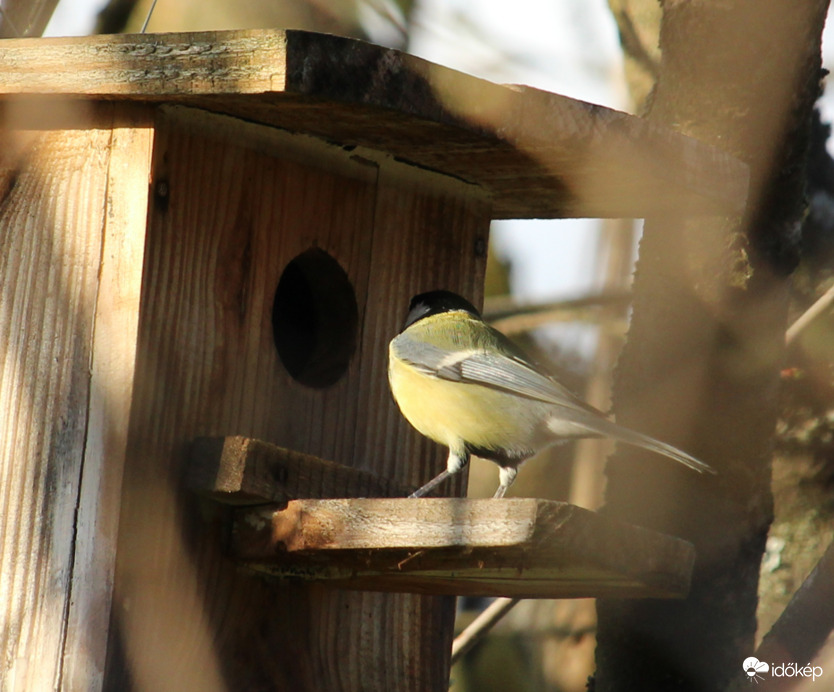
x: 314, y: 319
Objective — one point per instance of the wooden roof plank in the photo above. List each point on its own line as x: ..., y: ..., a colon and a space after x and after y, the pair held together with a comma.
x: 540, y: 155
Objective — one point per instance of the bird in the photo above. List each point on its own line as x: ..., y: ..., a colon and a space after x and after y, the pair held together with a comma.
x: 465, y: 385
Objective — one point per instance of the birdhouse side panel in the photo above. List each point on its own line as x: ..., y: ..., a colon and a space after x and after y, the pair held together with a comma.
x: 58, y: 500
x: 111, y: 385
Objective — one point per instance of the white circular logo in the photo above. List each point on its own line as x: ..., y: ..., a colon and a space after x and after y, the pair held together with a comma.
x: 753, y: 666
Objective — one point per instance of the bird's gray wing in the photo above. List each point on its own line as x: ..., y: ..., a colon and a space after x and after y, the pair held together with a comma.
x: 508, y: 373
x: 517, y: 376
x: 513, y: 375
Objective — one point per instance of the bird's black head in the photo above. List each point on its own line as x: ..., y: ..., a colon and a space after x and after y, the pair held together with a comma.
x: 435, y: 303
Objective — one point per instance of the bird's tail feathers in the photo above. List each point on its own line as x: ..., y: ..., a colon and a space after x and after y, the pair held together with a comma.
x: 600, y: 426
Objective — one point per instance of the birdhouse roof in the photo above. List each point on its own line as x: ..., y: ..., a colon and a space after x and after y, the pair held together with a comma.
x: 537, y: 154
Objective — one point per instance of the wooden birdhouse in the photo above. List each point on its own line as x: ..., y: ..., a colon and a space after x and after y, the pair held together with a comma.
x: 207, y: 242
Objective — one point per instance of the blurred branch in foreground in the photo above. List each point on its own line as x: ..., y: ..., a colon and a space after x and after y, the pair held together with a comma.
x: 819, y: 308
x: 25, y: 18
x: 482, y: 624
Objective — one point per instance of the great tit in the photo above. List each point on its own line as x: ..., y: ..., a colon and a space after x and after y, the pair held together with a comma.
x: 465, y: 385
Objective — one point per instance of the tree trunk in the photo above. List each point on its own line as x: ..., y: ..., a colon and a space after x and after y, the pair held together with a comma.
x: 701, y: 366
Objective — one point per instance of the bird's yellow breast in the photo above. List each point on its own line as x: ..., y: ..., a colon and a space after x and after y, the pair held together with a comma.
x: 453, y: 413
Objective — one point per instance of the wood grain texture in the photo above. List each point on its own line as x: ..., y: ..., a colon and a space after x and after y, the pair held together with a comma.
x: 58, y: 509
x: 111, y: 371
x: 524, y: 548
x: 233, y: 204
x: 539, y: 155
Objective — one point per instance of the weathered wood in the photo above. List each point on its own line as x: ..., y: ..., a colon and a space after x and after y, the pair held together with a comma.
x: 517, y: 547
x: 462, y: 547
x: 538, y: 155
x: 243, y: 471
x: 71, y: 244
x: 111, y: 388
x: 233, y: 203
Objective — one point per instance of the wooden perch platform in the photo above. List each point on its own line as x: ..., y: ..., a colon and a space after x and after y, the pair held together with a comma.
x: 538, y: 154
x: 524, y: 548
x: 511, y: 547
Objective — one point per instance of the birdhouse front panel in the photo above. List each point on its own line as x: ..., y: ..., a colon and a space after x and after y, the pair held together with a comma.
x: 277, y: 268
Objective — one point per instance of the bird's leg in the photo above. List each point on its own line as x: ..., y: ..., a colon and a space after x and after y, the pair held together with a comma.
x: 506, y: 476
x: 424, y: 490
x: 454, y: 464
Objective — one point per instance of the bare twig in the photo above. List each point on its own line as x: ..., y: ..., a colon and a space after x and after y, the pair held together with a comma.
x: 809, y: 316
x: 633, y: 45
x: 8, y: 20
x: 499, y: 307
x: 25, y: 18
x: 507, y: 316
x: 481, y: 625
x: 148, y: 18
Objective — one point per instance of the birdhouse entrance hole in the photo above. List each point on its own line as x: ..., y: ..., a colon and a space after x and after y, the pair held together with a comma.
x: 314, y: 319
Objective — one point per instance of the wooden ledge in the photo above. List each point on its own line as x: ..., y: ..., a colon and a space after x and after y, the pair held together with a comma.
x: 508, y: 547
x: 538, y: 154
x: 524, y: 548
x: 240, y: 470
